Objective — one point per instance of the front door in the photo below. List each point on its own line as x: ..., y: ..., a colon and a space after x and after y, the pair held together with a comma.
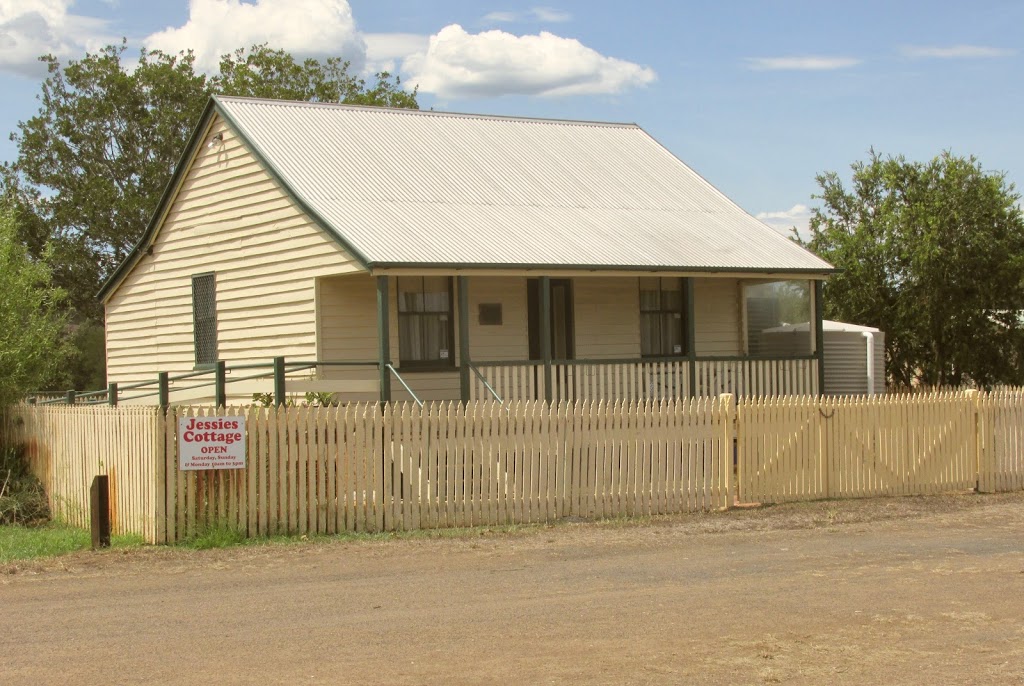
x: 562, y: 338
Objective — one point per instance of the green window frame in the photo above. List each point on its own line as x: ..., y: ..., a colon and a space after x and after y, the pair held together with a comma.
x: 662, y: 317
x: 426, y: 329
x: 204, y: 318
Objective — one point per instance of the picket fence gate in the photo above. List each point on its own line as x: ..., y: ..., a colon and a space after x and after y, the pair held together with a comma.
x: 803, y: 448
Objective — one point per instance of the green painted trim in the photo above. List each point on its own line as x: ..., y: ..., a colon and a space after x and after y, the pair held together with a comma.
x: 384, y: 339
x: 280, y: 387
x: 464, y: 350
x: 487, y: 385
x: 644, y: 360
x: 405, y: 385
x: 819, y: 333
x: 556, y: 268
x: 544, y: 325
x: 691, y: 336
x: 164, y: 392
x: 220, y: 385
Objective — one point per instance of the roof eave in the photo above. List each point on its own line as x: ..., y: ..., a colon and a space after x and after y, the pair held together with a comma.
x: 488, y: 266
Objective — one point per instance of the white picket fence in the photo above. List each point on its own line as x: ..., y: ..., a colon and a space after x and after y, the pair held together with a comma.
x: 367, y: 467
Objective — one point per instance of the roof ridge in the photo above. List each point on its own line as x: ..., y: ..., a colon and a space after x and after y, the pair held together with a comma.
x: 436, y: 113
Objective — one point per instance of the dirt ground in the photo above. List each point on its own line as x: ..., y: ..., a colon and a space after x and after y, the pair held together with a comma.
x: 908, y: 590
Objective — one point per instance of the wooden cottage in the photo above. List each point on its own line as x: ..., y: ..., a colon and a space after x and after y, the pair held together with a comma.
x: 396, y: 253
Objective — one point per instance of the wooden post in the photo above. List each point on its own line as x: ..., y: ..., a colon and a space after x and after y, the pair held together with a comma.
x: 980, y: 458
x: 383, y: 339
x: 464, y: 358
x: 691, y: 336
x: 279, y: 382
x: 70, y: 397
x: 112, y: 394
x: 99, y: 508
x: 163, y: 383
x: 220, y: 384
x: 545, y: 333
x: 725, y: 407
x: 819, y: 333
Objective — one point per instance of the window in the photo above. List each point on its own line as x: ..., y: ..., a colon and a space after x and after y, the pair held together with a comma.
x: 425, y: 322
x: 661, y: 317
x: 778, y: 318
x: 204, y: 318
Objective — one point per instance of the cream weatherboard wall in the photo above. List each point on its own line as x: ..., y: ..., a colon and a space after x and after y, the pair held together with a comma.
x: 718, y: 317
x: 229, y: 217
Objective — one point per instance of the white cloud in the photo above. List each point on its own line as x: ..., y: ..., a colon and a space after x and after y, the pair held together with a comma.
x: 500, y: 17
x: 801, y: 63
x: 539, y: 14
x: 783, y: 221
x: 300, y: 27
x: 384, y: 50
x: 550, y: 15
x: 955, y: 52
x: 30, y: 28
x: 458, y: 64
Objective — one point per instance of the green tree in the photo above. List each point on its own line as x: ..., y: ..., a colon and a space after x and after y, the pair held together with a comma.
x: 93, y: 163
x: 933, y: 254
x: 262, y: 72
x: 33, y: 345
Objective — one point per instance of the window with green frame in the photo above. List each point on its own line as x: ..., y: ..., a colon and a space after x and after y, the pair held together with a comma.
x: 204, y: 318
x: 425, y: 326
x: 662, y: 317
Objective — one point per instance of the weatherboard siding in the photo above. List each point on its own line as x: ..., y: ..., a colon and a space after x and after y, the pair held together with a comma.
x: 718, y: 317
x: 229, y: 217
x: 607, y: 313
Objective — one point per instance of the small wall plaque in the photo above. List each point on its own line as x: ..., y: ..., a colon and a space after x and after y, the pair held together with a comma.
x: 490, y: 314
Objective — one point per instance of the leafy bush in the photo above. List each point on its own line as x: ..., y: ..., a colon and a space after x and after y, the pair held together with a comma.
x: 22, y: 498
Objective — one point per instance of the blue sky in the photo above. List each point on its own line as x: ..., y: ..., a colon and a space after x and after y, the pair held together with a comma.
x: 756, y: 96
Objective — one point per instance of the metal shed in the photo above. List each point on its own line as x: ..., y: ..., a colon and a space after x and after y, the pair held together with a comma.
x: 854, y: 354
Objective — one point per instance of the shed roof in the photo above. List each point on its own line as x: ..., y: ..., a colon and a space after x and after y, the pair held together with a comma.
x: 414, y: 188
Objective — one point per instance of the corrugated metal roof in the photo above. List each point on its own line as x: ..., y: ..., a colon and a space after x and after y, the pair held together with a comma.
x: 428, y: 188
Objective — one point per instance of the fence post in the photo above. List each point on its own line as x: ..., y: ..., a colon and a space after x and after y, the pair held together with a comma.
x: 279, y: 383
x: 112, y: 394
x: 221, y: 382
x: 99, y: 510
x: 70, y: 398
x: 977, y: 445
x: 725, y: 409
x: 163, y: 383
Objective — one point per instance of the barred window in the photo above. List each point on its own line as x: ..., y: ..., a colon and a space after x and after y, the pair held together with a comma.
x: 425, y: 329
x: 204, y: 318
x: 661, y: 317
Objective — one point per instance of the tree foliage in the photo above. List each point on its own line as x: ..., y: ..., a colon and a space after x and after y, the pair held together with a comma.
x: 933, y: 254
x: 262, y: 72
x: 94, y: 161
x: 32, y: 323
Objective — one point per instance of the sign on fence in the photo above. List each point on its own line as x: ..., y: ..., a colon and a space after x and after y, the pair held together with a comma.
x: 211, y: 443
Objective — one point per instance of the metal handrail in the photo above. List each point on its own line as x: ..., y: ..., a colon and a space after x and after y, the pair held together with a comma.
x: 405, y: 385
x: 486, y: 384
